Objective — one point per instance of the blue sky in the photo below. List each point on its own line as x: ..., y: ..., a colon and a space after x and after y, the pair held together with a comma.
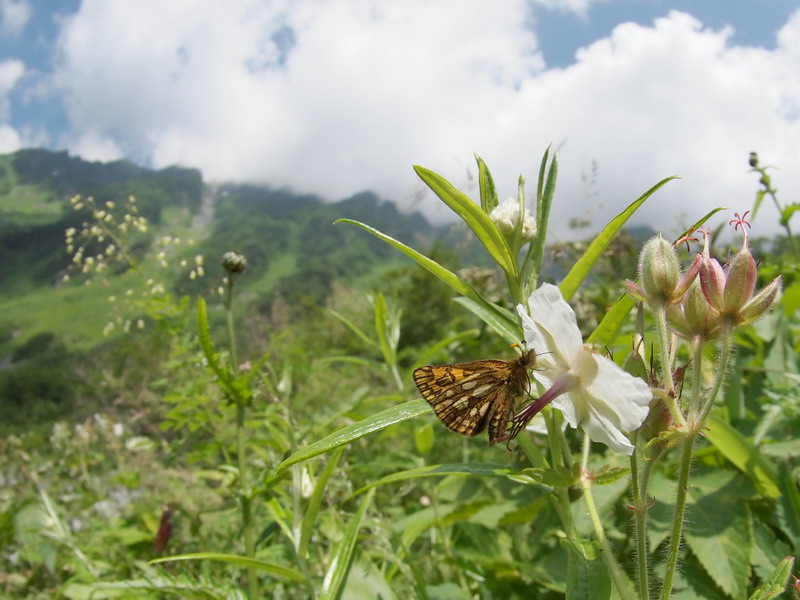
x: 335, y: 97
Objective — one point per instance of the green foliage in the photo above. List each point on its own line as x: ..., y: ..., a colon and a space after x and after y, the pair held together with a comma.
x: 353, y: 489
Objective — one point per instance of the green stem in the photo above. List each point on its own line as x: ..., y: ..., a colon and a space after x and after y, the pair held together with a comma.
x: 697, y: 378
x: 245, y: 492
x: 621, y: 582
x: 640, y: 512
x: 660, y: 315
x: 554, y: 439
x: 695, y: 427
x: 680, y: 509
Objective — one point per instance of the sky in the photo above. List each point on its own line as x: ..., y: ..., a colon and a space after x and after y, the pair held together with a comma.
x: 335, y: 97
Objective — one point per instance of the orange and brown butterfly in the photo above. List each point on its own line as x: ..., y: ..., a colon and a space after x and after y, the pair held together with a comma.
x: 468, y: 397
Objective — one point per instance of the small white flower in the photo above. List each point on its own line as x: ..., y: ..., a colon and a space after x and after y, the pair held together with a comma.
x: 506, y: 217
x: 589, y: 389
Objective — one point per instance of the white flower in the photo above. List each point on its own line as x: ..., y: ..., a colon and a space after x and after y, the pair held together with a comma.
x: 589, y: 389
x: 506, y: 217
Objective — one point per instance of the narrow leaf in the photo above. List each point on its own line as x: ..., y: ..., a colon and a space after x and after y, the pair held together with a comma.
x: 581, y: 270
x: 498, y: 319
x: 370, y: 343
x: 608, y: 329
x: 204, y: 337
x: 460, y: 286
x: 269, y: 568
x: 350, y: 433
x: 314, y: 503
x: 336, y: 576
x: 775, y: 585
x: 448, y: 470
x: 486, y: 183
x: 472, y: 214
x: 701, y: 221
x: 742, y: 453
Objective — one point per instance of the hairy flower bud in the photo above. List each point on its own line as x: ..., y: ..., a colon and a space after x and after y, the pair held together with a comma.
x: 233, y: 262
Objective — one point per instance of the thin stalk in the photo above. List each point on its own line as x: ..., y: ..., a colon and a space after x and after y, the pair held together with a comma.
x: 695, y: 427
x: 640, y: 513
x: 697, y: 376
x: 554, y: 438
x: 247, y: 500
x: 680, y: 509
x: 621, y: 582
x: 660, y: 315
x: 241, y: 452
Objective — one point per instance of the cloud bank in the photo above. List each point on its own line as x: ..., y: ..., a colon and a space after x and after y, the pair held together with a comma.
x: 337, y: 97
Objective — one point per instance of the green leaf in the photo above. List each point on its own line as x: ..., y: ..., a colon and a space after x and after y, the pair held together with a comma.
x: 472, y: 214
x: 608, y: 329
x: 701, y: 221
x: 460, y: 286
x: 350, y: 433
x: 545, y: 191
x: 315, y: 502
x: 269, y: 568
x: 587, y: 578
x: 759, y: 198
x: 204, y: 337
x: 381, y: 326
x: 742, y: 453
x: 499, y: 319
x: 581, y: 270
x: 336, y: 576
x: 607, y: 475
x: 449, y: 470
x: 486, y: 184
x: 775, y: 585
x: 553, y: 477
x: 368, y: 342
x: 720, y: 535
x: 788, y: 212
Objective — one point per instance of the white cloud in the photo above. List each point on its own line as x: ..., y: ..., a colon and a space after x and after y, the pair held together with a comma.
x: 11, y: 71
x: 364, y: 89
x: 14, y: 15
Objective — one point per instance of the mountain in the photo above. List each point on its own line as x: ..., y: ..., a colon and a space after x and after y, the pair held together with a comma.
x: 290, y: 241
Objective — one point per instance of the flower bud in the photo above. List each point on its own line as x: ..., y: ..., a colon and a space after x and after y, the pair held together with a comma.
x: 753, y: 160
x: 739, y: 283
x: 233, y: 262
x: 506, y: 216
x: 659, y: 270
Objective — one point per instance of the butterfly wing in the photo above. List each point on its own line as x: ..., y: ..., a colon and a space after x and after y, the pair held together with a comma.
x: 467, y: 397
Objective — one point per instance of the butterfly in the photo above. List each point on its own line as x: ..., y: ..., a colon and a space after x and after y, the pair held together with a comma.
x: 468, y: 397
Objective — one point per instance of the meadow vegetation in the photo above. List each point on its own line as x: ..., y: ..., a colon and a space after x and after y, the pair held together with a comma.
x: 224, y: 407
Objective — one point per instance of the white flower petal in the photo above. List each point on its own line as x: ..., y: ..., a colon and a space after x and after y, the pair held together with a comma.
x: 623, y: 394
x: 550, y: 312
x: 602, y: 429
